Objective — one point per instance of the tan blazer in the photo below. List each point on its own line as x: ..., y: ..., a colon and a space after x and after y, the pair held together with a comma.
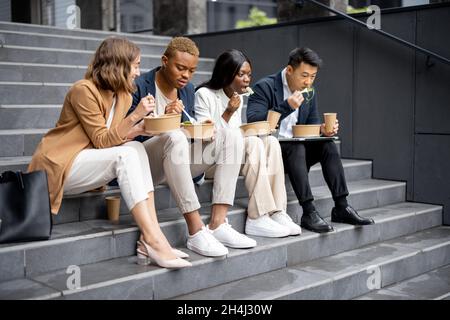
x: 81, y: 125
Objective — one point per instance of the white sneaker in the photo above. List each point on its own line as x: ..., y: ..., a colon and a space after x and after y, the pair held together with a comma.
x: 285, y: 220
x: 266, y: 227
x: 231, y: 238
x: 205, y: 244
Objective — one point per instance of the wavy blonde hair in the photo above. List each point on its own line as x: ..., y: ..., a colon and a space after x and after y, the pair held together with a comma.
x: 110, y: 67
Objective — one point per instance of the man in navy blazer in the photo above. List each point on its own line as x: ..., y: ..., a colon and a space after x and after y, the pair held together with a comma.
x: 146, y: 85
x: 285, y: 93
x: 173, y: 160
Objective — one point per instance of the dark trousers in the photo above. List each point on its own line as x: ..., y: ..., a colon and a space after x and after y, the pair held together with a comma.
x: 299, y: 157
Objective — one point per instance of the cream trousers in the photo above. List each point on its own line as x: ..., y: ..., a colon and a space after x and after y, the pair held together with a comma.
x: 94, y: 168
x: 263, y: 171
x: 174, y: 160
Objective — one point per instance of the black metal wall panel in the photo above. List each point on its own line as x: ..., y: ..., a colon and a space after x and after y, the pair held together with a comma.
x: 432, y: 174
x: 385, y: 94
x: 333, y: 41
x: 433, y: 82
x: 383, y: 98
x: 267, y: 49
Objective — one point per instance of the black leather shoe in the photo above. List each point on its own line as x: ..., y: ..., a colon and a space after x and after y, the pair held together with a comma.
x: 314, y: 222
x: 350, y: 216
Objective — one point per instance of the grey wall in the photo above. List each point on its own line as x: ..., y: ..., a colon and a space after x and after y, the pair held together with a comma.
x: 432, y: 112
x: 393, y: 107
x: 5, y: 10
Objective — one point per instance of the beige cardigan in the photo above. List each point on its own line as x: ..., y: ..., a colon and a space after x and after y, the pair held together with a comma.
x: 81, y: 125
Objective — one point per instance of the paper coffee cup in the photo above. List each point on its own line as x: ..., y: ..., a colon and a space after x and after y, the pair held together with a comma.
x: 330, y: 120
x: 113, y: 208
x: 273, y: 117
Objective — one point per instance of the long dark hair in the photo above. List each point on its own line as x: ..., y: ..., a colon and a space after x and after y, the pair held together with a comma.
x: 226, y: 68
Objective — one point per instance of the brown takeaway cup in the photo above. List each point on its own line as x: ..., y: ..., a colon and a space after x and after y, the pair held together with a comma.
x: 113, y: 208
x: 330, y: 120
x: 273, y: 118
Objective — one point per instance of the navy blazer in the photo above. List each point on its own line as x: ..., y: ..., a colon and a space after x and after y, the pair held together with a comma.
x: 145, y: 84
x: 268, y: 95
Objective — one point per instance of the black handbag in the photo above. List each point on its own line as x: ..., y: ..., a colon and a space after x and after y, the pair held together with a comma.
x: 24, y: 207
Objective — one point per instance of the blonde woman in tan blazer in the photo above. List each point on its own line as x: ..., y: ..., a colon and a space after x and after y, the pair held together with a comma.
x: 91, y: 145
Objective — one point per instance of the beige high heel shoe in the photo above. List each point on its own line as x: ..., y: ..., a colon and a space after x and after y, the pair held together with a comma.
x: 152, y: 257
x: 176, y: 252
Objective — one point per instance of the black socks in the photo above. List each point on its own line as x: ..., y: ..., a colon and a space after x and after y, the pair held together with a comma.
x: 341, y: 202
x: 308, y: 207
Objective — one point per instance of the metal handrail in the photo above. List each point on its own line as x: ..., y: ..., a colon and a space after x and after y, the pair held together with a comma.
x: 383, y: 33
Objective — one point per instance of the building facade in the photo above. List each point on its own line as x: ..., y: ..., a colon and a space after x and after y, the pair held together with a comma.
x: 170, y: 17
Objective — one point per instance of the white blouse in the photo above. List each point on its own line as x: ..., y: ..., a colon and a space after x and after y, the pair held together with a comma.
x: 111, y: 114
x: 290, y: 120
x: 211, y: 104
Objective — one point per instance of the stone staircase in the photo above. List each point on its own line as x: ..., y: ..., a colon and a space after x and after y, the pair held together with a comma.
x: 407, y: 243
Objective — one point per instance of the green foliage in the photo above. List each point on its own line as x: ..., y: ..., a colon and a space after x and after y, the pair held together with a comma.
x: 351, y: 10
x: 256, y: 18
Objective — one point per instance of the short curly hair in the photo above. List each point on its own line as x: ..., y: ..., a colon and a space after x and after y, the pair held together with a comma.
x: 181, y: 44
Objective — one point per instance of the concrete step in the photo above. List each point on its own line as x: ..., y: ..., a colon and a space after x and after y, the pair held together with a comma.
x: 344, y: 275
x: 29, y: 116
x: 365, y: 193
x: 433, y: 285
x: 91, y: 205
x: 50, y: 30
x: 361, y: 169
x: 14, y: 163
x: 29, y: 54
x: 335, y: 266
x: 20, y: 142
x: 33, y: 92
x: 20, y: 38
x: 33, y: 72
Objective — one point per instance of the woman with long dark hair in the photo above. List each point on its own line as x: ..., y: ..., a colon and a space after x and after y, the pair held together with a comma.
x: 91, y: 145
x: 220, y: 99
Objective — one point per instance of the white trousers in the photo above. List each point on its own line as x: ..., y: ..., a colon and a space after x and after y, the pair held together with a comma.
x: 128, y: 163
x: 175, y: 161
x: 263, y: 171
